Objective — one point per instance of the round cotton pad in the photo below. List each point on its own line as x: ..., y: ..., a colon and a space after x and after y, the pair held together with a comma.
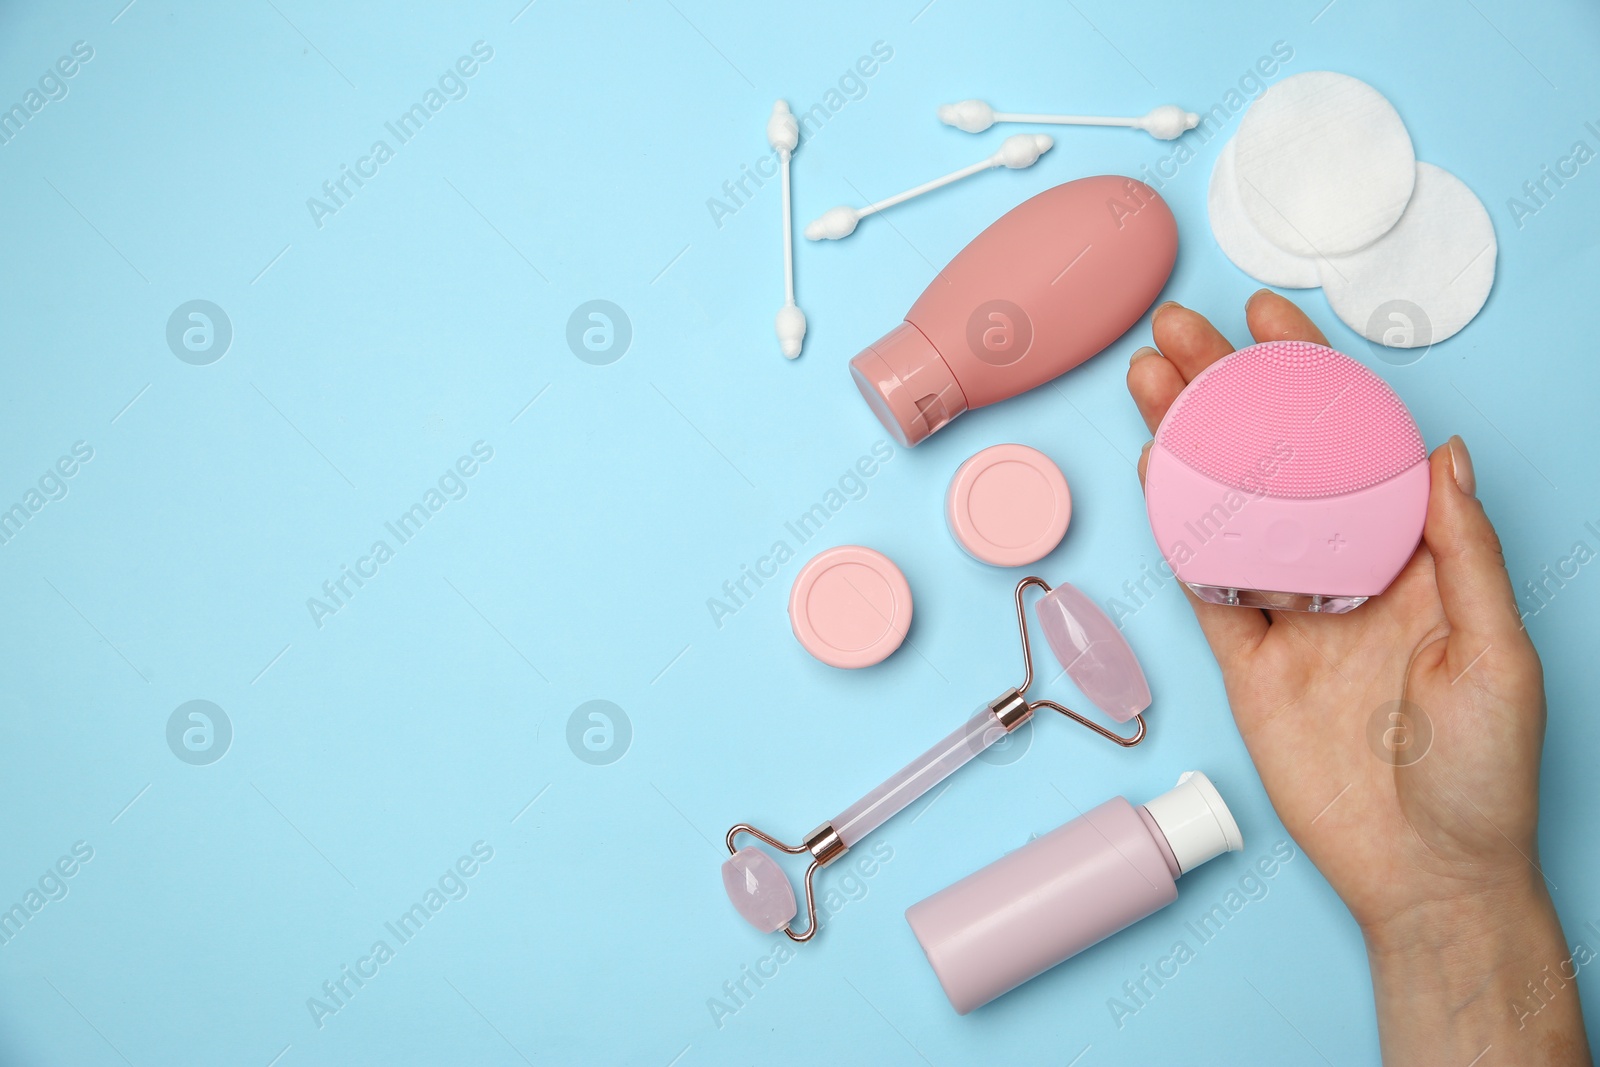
x: 1008, y: 505
x: 1325, y: 166
x: 850, y: 606
x: 1242, y: 242
x: 1426, y: 278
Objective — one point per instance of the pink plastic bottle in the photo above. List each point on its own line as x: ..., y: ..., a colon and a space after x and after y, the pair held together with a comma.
x: 1067, y: 890
x: 1053, y: 281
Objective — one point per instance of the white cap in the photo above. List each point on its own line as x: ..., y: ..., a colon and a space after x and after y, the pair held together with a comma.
x: 1194, y: 820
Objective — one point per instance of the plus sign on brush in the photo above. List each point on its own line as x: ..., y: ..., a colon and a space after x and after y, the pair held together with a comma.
x: 1287, y: 476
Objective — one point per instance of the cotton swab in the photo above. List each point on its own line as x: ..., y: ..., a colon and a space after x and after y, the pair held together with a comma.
x: 783, y: 133
x: 974, y: 116
x: 1018, y: 151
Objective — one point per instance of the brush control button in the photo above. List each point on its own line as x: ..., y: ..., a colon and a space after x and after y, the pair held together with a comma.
x: 1287, y: 541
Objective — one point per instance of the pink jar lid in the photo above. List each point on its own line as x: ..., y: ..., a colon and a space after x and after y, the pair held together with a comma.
x: 1008, y: 505
x: 850, y: 606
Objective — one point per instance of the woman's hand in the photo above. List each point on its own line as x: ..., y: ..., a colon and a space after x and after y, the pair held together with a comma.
x: 1435, y: 852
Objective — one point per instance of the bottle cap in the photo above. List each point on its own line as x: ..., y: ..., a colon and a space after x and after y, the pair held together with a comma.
x: 1196, y: 823
x: 907, y: 384
x: 1008, y: 505
x: 850, y: 606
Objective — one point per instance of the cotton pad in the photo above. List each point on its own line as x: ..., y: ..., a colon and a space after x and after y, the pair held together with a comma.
x: 1425, y: 279
x: 1324, y: 164
x: 1243, y: 243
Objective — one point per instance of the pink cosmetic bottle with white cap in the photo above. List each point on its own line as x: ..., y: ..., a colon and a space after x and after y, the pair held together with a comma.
x: 1050, y: 283
x: 1075, y: 886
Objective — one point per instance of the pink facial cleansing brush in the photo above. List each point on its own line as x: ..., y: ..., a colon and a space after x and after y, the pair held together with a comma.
x: 1287, y: 476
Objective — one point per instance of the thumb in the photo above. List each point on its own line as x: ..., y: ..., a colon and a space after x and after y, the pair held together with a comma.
x: 1470, y: 567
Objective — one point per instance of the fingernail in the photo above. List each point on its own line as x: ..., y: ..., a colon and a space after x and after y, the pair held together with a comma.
x: 1164, y: 306
x: 1254, y: 297
x: 1461, y: 467
x: 1142, y: 353
x: 1145, y: 451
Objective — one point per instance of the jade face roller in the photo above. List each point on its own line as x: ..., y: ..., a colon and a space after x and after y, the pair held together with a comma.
x: 1095, y: 655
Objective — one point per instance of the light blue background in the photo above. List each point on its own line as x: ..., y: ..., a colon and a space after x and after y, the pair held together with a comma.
x: 370, y: 753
